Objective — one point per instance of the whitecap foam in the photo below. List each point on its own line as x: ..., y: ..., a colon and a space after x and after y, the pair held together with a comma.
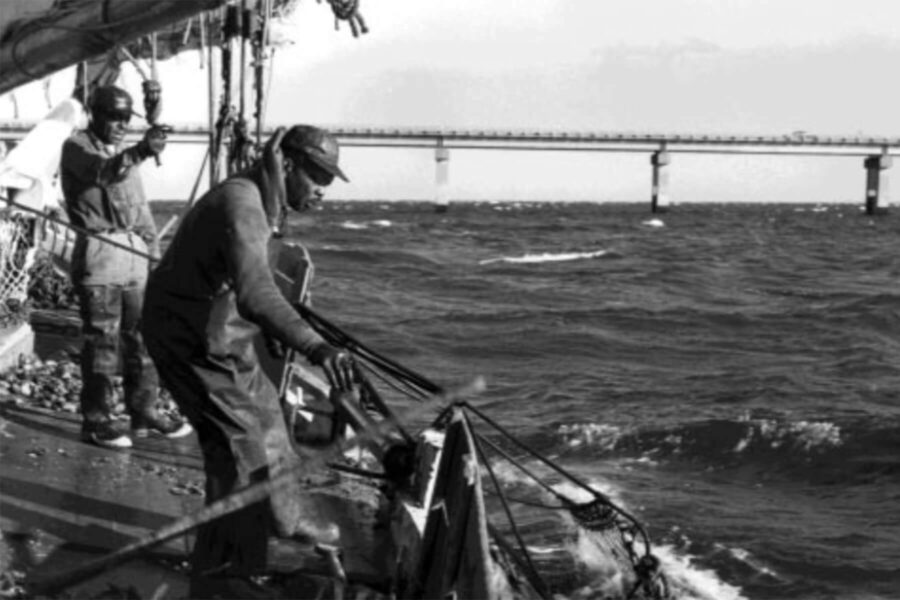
x: 599, y: 435
x: 353, y: 225
x: 544, y: 257
x: 805, y: 435
x: 686, y: 580
x: 690, y: 582
x: 748, y: 559
x: 508, y: 474
x: 816, y: 434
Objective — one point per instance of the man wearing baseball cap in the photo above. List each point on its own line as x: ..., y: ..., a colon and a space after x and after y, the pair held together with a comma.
x: 316, y: 145
x: 211, y: 295
x: 104, y: 195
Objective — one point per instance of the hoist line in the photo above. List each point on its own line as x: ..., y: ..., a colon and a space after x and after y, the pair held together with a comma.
x: 137, y: 66
x: 398, y: 386
x: 531, y: 503
x: 534, y: 577
x: 522, y: 468
x: 372, y: 396
x: 343, y: 339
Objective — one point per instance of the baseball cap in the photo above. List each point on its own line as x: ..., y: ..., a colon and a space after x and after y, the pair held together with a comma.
x: 317, y: 144
x: 111, y: 101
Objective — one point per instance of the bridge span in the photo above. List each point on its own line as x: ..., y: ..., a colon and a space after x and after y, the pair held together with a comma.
x: 877, y: 151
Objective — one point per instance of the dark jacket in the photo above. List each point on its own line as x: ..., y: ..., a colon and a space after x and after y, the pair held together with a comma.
x: 215, y: 283
x: 104, y: 194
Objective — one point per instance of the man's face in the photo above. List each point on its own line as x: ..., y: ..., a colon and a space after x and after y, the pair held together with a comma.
x: 110, y: 125
x: 305, y: 184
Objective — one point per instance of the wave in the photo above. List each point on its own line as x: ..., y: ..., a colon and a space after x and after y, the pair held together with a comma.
x: 357, y: 225
x: 545, y: 257
x: 583, y: 563
x: 861, y: 452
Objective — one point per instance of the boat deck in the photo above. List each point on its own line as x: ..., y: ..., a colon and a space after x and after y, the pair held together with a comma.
x: 63, y: 501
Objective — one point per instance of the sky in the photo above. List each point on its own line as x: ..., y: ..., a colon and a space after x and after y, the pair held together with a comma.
x: 761, y: 67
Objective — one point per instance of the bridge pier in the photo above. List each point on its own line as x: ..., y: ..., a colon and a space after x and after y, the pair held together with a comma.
x: 876, y: 183
x: 441, y: 177
x: 659, y: 191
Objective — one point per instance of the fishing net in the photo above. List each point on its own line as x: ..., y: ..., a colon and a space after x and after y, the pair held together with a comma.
x: 617, y: 538
x: 17, y: 252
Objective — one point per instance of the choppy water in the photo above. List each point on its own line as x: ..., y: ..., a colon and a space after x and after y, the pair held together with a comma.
x: 730, y: 373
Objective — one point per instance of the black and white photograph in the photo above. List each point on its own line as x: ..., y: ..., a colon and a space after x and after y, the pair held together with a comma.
x: 432, y: 299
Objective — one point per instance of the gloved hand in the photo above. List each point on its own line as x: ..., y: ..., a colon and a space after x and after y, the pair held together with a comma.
x: 154, y: 141
x: 337, y: 365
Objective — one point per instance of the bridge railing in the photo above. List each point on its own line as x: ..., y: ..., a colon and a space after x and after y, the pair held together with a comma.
x: 597, y: 141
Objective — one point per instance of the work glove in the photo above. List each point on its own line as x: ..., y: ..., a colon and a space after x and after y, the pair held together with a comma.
x: 337, y: 365
x: 154, y: 141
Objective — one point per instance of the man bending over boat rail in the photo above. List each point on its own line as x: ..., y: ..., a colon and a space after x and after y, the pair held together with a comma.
x: 211, y: 295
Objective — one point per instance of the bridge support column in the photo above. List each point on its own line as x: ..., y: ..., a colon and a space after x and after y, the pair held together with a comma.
x: 441, y: 177
x: 876, y: 183
x: 659, y: 192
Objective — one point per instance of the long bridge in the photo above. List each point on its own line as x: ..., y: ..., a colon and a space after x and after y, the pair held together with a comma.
x: 877, y: 152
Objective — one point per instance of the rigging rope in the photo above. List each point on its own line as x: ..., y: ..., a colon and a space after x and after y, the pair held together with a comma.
x: 337, y: 337
x: 533, y: 577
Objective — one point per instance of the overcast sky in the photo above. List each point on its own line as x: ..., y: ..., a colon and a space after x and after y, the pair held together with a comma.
x: 691, y: 66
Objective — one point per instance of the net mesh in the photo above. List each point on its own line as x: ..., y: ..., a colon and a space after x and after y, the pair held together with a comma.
x: 17, y: 253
